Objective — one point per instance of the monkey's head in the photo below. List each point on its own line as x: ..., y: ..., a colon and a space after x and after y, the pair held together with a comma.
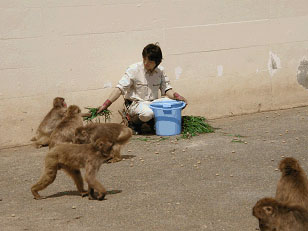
x: 265, y: 211
x: 73, y: 110
x: 103, y: 145
x: 59, y: 102
x: 81, y: 136
x: 289, y: 166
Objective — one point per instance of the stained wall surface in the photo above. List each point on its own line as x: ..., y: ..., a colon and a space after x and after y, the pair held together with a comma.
x: 226, y: 57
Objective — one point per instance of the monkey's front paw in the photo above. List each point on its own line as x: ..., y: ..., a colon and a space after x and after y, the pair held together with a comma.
x: 91, y: 197
x: 115, y: 159
x: 38, y: 146
x: 101, y: 196
x: 84, y: 194
x: 39, y: 198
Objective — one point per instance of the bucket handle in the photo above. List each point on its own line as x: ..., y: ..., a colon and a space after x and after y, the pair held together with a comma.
x: 169, y: 109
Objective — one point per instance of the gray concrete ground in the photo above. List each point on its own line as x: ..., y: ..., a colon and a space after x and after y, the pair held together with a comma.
x: 209, y: 182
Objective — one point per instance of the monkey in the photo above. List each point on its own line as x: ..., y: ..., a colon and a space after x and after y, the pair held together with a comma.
x: 50, y: 122
x: 118, y: 133
x: 71, y: 158
x: 64, y: 132
x: 277, y: 216
x: 293, y: 184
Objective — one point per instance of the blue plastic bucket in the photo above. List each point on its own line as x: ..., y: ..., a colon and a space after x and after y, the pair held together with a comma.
x: 168, y: 118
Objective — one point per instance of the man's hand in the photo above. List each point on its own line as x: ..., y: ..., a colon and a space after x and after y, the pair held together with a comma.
x: 104, y: 106
x: 177, y: 96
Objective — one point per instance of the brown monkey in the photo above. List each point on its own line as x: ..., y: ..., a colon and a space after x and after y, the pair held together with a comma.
x: 72, y: 157
x: 293, y: 184
x: 64, y: 132
x: 50, y: 122
x: 276, y: 216
x: 118, y: 133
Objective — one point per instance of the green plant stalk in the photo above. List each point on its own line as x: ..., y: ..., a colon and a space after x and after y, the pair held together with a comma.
x: 93, y: 111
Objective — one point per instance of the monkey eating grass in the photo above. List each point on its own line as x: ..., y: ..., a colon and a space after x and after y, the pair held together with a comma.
x: 71, y: 158
x: 118, y: 133
x: 277, y: 216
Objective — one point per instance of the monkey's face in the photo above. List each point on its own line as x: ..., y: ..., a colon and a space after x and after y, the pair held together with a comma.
x: 81, y: 136
x: 265, y: 223
x: 73, y: 110
x: 59, y: 102
x: 104, y: 146
x: 264, y: 211
x: 64, y: 103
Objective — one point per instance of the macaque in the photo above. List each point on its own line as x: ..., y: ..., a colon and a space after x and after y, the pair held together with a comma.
x: 293, y: 184
x: 117, y: 133
x: 71, y: 158
x: 276, y: 216
x: 50, y: 122
x: 64, y: 132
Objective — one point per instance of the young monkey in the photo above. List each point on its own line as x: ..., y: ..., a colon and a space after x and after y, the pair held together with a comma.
x: 71, y: 158
x: 118, y: 133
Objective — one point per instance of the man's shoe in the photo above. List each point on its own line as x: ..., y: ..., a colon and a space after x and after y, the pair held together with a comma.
x: 135, y: 127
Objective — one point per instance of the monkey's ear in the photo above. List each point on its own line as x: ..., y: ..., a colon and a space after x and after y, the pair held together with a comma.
x: 268, y: 210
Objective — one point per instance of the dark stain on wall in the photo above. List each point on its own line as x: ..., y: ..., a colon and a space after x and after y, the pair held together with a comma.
x: 274, y: 64
x: 302, y: 73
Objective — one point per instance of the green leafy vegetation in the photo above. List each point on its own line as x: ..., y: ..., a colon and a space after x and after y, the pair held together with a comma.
x: 106, y: 114
x: 237, y: 141
x: 238, y: 136
x: 143, y: 139
x: 194, y: 125
x: 152, y: 139
x: 163, y: 138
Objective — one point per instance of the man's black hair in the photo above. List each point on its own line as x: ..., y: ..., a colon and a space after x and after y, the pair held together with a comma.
x: 153, y: 52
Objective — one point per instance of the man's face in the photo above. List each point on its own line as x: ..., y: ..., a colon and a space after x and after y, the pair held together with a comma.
x: 148, y: 64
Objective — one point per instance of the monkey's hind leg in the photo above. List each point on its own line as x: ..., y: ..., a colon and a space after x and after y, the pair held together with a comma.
x: 116, y: 153
x: 91, y: 194
x: 93, y: 183
x: 75, y: 174
x: 46, y: 179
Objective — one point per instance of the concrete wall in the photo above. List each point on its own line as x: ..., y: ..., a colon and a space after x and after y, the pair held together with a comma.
x: 226, y: 57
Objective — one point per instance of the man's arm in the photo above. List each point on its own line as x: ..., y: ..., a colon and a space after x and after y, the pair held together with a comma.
x: 115, y: 94
x: 170, y: 93
x: 174, y: 95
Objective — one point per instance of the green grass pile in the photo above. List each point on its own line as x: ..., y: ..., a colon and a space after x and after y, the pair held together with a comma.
x: 194, y: 125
